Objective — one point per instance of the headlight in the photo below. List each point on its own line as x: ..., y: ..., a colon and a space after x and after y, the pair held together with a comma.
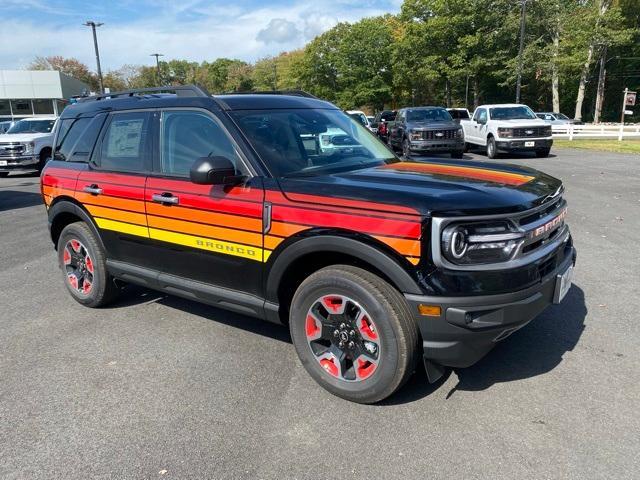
x: 505, y: 132
x: 460, y: 133
x: 416, y: 135
x: 29, y: 147
x: 547, y: 132
x: 480, y: 243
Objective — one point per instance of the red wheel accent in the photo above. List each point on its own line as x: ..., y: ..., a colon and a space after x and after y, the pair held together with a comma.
x: 89, y: 263
x: 73, y: 280
x: 66, y: 256
x: 367, y: 329
x: 333, y: 304
x: 86, y: 286
x: 75, y: 245
x: 312, y: 327
x: 330, y: 366
x: 365, y: 368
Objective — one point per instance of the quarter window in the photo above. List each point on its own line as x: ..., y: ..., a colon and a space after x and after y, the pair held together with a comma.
x: 189, y: 135
x: 69, y: 132
x: 124, y: 145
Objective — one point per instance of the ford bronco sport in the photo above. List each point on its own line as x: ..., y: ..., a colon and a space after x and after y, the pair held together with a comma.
x: 372, y: 262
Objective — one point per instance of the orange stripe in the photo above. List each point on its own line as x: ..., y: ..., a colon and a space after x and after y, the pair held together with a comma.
x: 286, y: 229
x: 224, y: 234
x: 56, y: 191
x: 212, y: 218
x: 404, y: 247
x: 121, y: 203
x: 111, y: 214
x: 413, y: 260
x: 497, y: 176
x: 271, y: 243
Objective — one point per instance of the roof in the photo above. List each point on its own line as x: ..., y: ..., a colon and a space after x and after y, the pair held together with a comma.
x: 499, y: 105
x: 265, y: 101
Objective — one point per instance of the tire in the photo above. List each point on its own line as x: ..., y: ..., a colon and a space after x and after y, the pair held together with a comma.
x: 492, y: 151
x: 459, y: 154
x: 466, y: 148
x: 384, y: 313
x: 80, y: 255
x: 406, y: 148
x: 543, y: 153
x: 4, y: 174
x: 44, y: 154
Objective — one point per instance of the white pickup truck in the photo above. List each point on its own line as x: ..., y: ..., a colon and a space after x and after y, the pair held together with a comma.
x: 507, y: 128
x: 26, y: 146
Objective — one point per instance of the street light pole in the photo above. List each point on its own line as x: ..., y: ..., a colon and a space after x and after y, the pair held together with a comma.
x: 94, y: 25
x: 523, y: 12
x: 158, y: 55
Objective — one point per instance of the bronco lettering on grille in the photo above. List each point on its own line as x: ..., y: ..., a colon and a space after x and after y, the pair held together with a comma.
x: 549, y: 226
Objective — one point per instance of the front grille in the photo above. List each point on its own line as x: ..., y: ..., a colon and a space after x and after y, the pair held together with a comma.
x: 11, y: 149
x: 531, y: 132
x: 446, y: 134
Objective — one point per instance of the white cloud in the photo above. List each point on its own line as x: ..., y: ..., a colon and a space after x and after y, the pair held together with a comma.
x: 215, y: 31
x: 278, y: 30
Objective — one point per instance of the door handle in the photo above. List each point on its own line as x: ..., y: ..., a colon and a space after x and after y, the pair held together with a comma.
x: 165, y: 198
x: 93, y: 189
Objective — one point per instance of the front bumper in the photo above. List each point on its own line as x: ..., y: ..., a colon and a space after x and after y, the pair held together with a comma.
x: 469, y: 327
x: 12, y: 164
x: 456, y: 145
x: 520, y: 144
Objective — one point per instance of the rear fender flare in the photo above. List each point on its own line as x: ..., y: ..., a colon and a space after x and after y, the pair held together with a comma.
x: 68, y: 205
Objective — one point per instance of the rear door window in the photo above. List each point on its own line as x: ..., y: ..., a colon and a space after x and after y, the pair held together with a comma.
x: 125, y: 144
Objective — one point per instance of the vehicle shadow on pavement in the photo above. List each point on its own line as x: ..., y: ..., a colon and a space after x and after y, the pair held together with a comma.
x: 14, y: 199
x: 534, y: 350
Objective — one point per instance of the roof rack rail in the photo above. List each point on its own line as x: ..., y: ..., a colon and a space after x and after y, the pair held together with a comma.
x: 295, y: 93
x: 180, y: 91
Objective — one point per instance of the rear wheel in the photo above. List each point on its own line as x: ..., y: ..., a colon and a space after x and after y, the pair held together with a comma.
x: 458, y: 154
x: 353, y: 333
x: 491, y: 148
x: 543, y: 152
x: 84, y: 266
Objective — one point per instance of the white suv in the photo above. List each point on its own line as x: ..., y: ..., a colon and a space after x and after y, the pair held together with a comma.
x: 26, y: 146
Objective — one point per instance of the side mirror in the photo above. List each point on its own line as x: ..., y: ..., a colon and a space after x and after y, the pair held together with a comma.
x: 214, y: 171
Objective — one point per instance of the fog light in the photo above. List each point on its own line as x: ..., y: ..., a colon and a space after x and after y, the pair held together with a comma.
x: 430, y: 310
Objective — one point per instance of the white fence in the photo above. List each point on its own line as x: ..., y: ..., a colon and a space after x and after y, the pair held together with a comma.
x: 596, y: 131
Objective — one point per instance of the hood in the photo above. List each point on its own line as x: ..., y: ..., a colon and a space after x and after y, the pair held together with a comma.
x: 432, y: 125
x: 22, y: 137
x: 452, y: 188
x: 530, y: 122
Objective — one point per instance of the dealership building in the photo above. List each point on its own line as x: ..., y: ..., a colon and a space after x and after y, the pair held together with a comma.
x: 28, y: 93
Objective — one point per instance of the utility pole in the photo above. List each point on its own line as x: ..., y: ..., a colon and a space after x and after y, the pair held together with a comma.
x: 523, y: 12
x: 601, y: 80
x: 275, y: 76
x: 158, y: 55
x: 94, y: 25
x: 624, y: 105
x: 466, y: 94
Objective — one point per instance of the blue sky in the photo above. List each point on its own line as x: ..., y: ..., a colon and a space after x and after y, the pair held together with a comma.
x: 192, y: 29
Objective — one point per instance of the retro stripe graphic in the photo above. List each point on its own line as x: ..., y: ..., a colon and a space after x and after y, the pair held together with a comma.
x: 475, y: 173
x: 229, y: 221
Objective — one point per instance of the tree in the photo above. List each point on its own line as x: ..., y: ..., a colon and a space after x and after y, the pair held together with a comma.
x: 69, y: 66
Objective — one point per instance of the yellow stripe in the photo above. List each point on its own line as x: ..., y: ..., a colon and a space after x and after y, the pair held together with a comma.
x: 122, y: 227
x: 226, y: 248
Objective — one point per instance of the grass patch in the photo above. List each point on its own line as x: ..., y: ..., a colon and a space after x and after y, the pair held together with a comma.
x: 604, y: 145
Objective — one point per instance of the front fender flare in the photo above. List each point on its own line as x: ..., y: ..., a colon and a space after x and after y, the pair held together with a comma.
x: 333, y: 243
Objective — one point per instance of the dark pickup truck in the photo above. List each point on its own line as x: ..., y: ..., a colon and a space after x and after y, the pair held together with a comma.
x: 424, y: 130
x: 247, y: 202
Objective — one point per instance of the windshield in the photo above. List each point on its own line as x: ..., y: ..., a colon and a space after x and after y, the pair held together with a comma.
x: 459, y: 114
x: 428, y: 115
x: 32, y: 126
x: 511, y: 113
x: 307, y: 142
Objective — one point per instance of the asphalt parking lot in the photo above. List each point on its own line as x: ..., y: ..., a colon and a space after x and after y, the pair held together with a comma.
x: 160, y: 387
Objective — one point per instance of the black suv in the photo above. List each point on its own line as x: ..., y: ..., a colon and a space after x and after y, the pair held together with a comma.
x: 237, y: 201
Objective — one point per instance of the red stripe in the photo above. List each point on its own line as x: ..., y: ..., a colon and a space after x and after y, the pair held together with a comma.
x: 354, y: 204
x: 115, y: 178
x: 202, y: 202
x: 58, y: 182
x: 246, y: 194
x: 362, y: 224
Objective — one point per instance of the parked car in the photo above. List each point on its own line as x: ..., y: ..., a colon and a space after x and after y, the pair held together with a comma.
x: 507, y: 128
x: 557, y: 119
x: 26, y: 146
x: 374, y: 264
x: 361, y: 117
x: 425, y: 130
x: 459, y: 114
x: 381, y: 123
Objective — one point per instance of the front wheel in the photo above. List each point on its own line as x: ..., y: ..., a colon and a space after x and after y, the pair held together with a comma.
x: 406, y: 148
x: 84, y: 267
x: 543, y: 152
x: 491, y: 148
x: 457, y: 154
x: 353, y: 333
x: 4, y: 174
